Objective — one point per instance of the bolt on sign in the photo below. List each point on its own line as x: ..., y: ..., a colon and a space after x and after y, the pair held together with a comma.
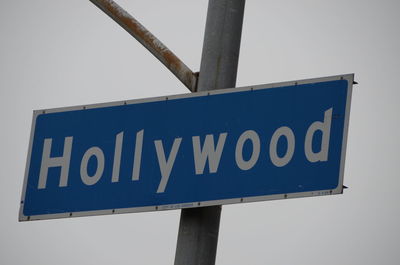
x: 218, y: 147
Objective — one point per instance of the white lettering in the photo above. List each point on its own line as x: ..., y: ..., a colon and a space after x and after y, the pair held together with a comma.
x: 209, y: 151
x: 117, y: 157
x: 62, y: 161
x: 98, y: 153
x: 275, y: 159
x: 325, y: 128
x: 255, y: 140
x: 166, y: 164
x: 138, y: 155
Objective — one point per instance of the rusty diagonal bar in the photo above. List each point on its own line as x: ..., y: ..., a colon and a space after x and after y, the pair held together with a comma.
x: 149, y: 41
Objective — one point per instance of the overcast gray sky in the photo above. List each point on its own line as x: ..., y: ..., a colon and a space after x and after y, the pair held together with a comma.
x: 64, y: 53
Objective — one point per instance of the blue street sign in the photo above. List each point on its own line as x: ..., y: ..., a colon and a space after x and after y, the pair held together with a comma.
x: 225, y: 146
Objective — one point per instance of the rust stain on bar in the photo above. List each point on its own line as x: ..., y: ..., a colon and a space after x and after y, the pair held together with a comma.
x: 148, y: 40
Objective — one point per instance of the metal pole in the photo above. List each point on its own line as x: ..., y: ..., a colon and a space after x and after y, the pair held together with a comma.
x: 199, y: 227
x: 149, y: 41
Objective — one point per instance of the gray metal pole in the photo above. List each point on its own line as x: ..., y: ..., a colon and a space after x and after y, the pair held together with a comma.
x: 221, y: 46
x: 199, y: 227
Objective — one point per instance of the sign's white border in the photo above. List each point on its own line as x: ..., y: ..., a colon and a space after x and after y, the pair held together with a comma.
x: 337, y: 190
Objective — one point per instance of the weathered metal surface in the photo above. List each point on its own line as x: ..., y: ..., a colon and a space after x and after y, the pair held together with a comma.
x: 148, y: 40
x: 198, y: 229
